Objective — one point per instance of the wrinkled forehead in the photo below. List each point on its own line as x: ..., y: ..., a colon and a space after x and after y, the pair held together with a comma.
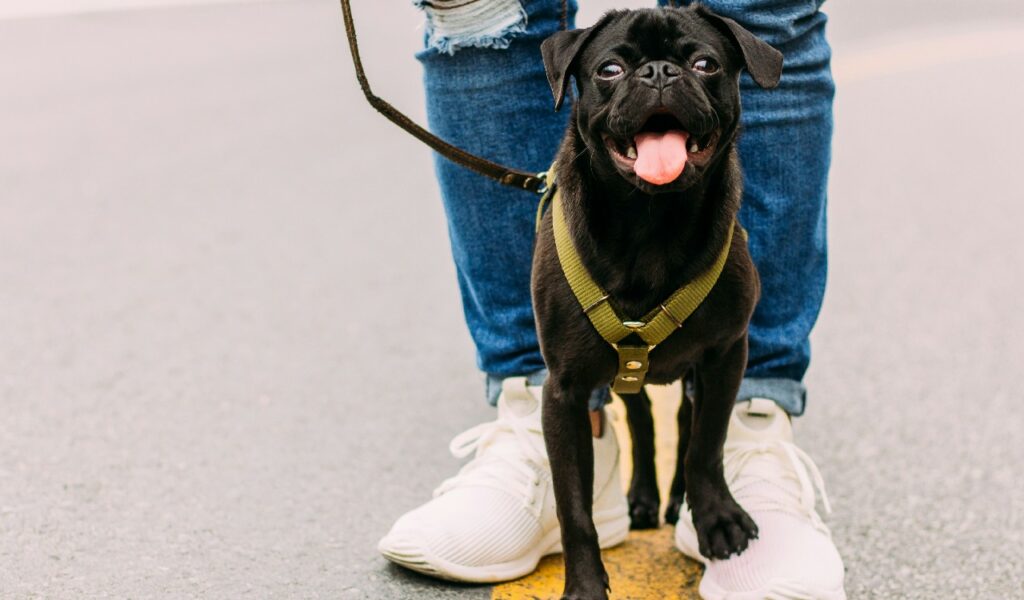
x: 655, y: 34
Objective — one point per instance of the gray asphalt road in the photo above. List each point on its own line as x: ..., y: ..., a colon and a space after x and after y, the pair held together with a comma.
x: 213, y: 383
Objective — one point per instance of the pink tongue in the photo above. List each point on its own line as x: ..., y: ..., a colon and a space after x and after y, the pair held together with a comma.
x: 661, y: 157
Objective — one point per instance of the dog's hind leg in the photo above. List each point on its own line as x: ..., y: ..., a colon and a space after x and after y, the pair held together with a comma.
x: 723, y: 527
x: 644, y: 500
x: 568, y: 438
x: 684, y: 419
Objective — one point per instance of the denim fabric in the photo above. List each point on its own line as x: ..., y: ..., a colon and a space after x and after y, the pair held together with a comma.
x: 496, y: 103
x: 493, y: 99
x: 598, y: 397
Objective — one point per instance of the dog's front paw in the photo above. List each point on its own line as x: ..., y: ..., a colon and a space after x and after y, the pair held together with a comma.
x: 643, y: 509
x: 723, y: 527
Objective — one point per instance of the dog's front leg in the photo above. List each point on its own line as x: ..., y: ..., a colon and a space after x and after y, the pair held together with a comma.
x: 567, y: 435
x: 723, y: 527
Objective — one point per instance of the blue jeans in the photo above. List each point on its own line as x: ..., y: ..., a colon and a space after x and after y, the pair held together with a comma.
x: 486, y: 92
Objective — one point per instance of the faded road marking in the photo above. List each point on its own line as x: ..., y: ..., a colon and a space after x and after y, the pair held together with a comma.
x: 646, y: 566
x: 913, y: 51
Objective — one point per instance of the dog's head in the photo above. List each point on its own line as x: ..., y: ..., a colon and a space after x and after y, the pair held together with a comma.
x: 658, y: 91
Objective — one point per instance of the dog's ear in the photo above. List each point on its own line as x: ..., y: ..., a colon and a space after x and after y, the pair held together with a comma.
x: 560, y: 51
x: 763, y: 62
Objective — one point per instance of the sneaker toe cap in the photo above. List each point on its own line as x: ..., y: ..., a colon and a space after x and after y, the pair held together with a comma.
x: 452, y: 533
x: 789, y: 559
x: 409, y: 549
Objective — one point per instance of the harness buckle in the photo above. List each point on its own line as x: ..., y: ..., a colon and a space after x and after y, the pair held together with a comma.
x: 633, y: 365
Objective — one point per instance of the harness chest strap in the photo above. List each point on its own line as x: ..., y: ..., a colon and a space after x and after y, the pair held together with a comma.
x: 654, y: 327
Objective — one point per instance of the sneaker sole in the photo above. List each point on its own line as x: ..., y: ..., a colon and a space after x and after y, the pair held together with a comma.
x: 686, y: 542
x: 612, y: 528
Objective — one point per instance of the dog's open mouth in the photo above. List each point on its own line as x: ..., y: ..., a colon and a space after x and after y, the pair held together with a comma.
x: 658, y: 153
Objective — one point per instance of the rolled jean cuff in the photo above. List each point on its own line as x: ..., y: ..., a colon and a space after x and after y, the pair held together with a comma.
x: 598, y: 397
x: 789, y: 394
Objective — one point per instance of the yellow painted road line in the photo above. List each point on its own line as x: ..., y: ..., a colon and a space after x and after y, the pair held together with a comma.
x: 647, y: 566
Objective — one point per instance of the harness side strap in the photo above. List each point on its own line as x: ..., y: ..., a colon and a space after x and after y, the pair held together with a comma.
x: 592, y: 298
x: 501, y: 174
x: 671, y: 314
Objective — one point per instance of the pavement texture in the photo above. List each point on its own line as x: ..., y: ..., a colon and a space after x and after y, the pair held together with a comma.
x: 213, y: 383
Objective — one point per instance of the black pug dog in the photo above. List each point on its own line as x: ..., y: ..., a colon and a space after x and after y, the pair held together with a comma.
x: 649, y: 185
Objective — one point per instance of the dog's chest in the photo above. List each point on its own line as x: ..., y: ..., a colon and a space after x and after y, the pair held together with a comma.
x: 721, y: 318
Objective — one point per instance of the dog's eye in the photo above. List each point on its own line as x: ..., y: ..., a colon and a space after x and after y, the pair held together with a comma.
x: 610, y: 70
x: 705, y: 65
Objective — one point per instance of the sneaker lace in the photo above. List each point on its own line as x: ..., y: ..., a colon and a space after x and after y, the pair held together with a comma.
x: 784, y: 466
x: 506, y: 456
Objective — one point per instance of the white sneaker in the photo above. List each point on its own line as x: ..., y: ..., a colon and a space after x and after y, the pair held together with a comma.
x: 775, y: 482
x: 496, y: 518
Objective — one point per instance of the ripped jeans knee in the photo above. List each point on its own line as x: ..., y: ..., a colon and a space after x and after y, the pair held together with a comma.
x: 455, y: 24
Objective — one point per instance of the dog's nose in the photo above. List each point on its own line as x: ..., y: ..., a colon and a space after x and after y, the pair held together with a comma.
x: 659, y: 73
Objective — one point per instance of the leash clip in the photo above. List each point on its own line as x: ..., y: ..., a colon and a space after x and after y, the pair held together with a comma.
x: 543, y: 187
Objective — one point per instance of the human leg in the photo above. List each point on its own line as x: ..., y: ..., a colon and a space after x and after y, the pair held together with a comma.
x: 785, y: 152
x: 487, y: 93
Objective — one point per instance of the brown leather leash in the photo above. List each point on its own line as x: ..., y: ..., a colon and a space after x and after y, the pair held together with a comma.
x: 500, y: 173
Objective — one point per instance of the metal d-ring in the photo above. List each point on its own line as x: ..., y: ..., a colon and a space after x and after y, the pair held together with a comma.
x: 543, y: 189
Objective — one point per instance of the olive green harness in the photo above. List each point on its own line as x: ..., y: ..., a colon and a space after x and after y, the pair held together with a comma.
x: 653, y: 328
